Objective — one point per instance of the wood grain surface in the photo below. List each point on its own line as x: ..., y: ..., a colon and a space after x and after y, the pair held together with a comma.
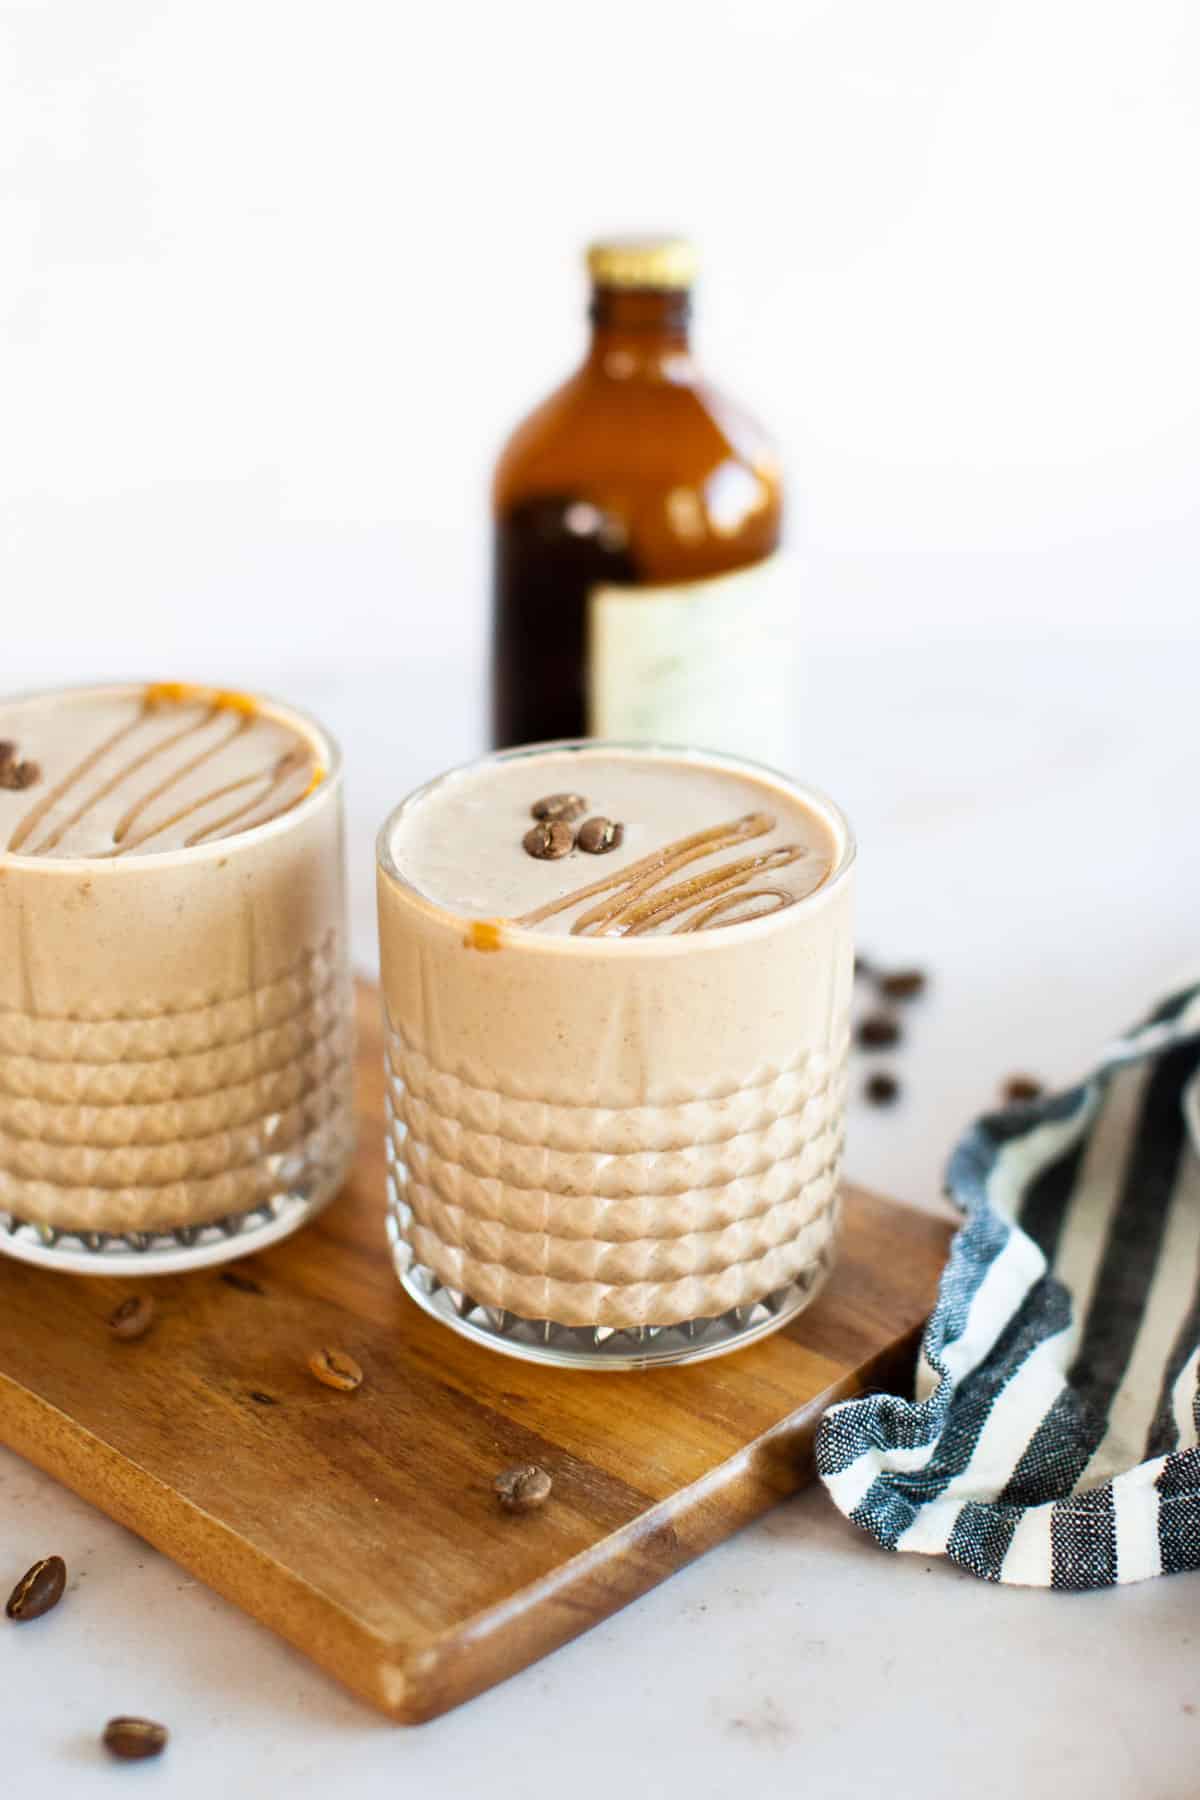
x: 362, y: 1526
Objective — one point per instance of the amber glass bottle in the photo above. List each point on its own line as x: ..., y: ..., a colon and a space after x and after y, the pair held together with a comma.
x: 638, y: 593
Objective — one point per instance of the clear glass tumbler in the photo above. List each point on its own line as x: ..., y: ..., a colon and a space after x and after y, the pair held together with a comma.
x: 610, y: 1153
x: 176, y: 1026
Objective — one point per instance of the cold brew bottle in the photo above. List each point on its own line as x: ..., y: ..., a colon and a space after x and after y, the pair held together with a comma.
x: 638, y: 590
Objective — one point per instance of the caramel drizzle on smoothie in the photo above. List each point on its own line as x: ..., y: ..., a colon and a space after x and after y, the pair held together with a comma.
x: 264, y: 787
x: 636, y: 902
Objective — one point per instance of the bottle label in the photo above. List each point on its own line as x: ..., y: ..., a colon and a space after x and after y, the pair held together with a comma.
x: 704, y: 663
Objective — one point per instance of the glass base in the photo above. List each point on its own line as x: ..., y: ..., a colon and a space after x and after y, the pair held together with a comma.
x: 601, y: 1347
x: 173, y: 1252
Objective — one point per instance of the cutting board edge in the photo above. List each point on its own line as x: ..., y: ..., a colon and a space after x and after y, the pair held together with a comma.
x: 413, y: 1683
x: 192, y: 1537
x: 477, y: 1654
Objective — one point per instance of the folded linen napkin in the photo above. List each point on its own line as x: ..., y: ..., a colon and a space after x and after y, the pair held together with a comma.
x: 1053, y: 1440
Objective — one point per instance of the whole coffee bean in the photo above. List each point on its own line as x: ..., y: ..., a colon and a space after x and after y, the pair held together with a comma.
x: 882, y: 1090
x: 134, y: 1739
x: 598, y: 835
x: 38, y: 1590
x: 523, y: 1488
x: 1021, y: 1088
x: 863, y: 970
x: 879, y: 1031
x: 14, y: 774
x: 8, y: 752
x: 133, y: 1318
x: 559, y: 806
x: 549, y: 840
x: 335, y: 1369
x: 903, y: 984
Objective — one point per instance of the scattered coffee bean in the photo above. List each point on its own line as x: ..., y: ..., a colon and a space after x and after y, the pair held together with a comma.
x: 133, y: 1318
x: 863, y: 970
x: 8, y: 752
x: 1019, y: 1088
x: 559, y: 806
x: 522, y: 1489
x: 335, y: 1369
x: 134, y: 1739
x: 903, y: 984
x: 598, y: 835
x: 549, y: 840
x: 261, y: 1399
x: 26, y: 773
x: 245, y: 1284
x: 878, y: 1031
x: 882, y: 1090
x: 38, y: 1590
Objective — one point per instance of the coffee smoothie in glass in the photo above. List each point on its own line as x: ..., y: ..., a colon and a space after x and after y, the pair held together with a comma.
x: 175, y: 1001
x: 617, y: 986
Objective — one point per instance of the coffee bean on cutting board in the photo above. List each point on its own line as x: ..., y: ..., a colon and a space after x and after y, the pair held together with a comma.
x: 133, y: 1318
x: 882, y: 1089
x: 39, y: 1588
x: 335, y: 1369
x: 523, y: 1488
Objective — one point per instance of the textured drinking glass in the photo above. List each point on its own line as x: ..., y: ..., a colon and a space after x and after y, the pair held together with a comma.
x: 611, y: 1153
x: 176, y: 1072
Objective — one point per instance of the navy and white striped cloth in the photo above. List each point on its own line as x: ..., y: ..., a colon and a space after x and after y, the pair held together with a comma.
x: 1053, y: 1440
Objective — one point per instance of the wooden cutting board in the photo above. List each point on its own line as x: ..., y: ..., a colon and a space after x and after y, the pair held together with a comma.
x: 362, y: 1527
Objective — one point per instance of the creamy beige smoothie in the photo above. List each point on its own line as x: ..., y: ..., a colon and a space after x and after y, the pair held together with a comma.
x: 617, y: 984
x: 175, y: 1037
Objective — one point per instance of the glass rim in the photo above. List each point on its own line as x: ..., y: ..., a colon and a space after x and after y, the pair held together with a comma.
x: 282, y: 711
x: 664, y: 944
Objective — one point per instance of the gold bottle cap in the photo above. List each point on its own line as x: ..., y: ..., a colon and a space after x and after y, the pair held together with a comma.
x: 643, y: 262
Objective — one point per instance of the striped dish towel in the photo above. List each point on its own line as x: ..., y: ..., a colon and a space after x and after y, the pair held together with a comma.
x: 1053, y: 1440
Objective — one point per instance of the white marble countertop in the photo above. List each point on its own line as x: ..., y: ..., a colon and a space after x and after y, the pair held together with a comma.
x: 1021, y: 812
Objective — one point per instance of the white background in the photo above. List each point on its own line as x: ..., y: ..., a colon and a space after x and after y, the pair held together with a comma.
x: 278, y: 276
x: 275, y: 280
